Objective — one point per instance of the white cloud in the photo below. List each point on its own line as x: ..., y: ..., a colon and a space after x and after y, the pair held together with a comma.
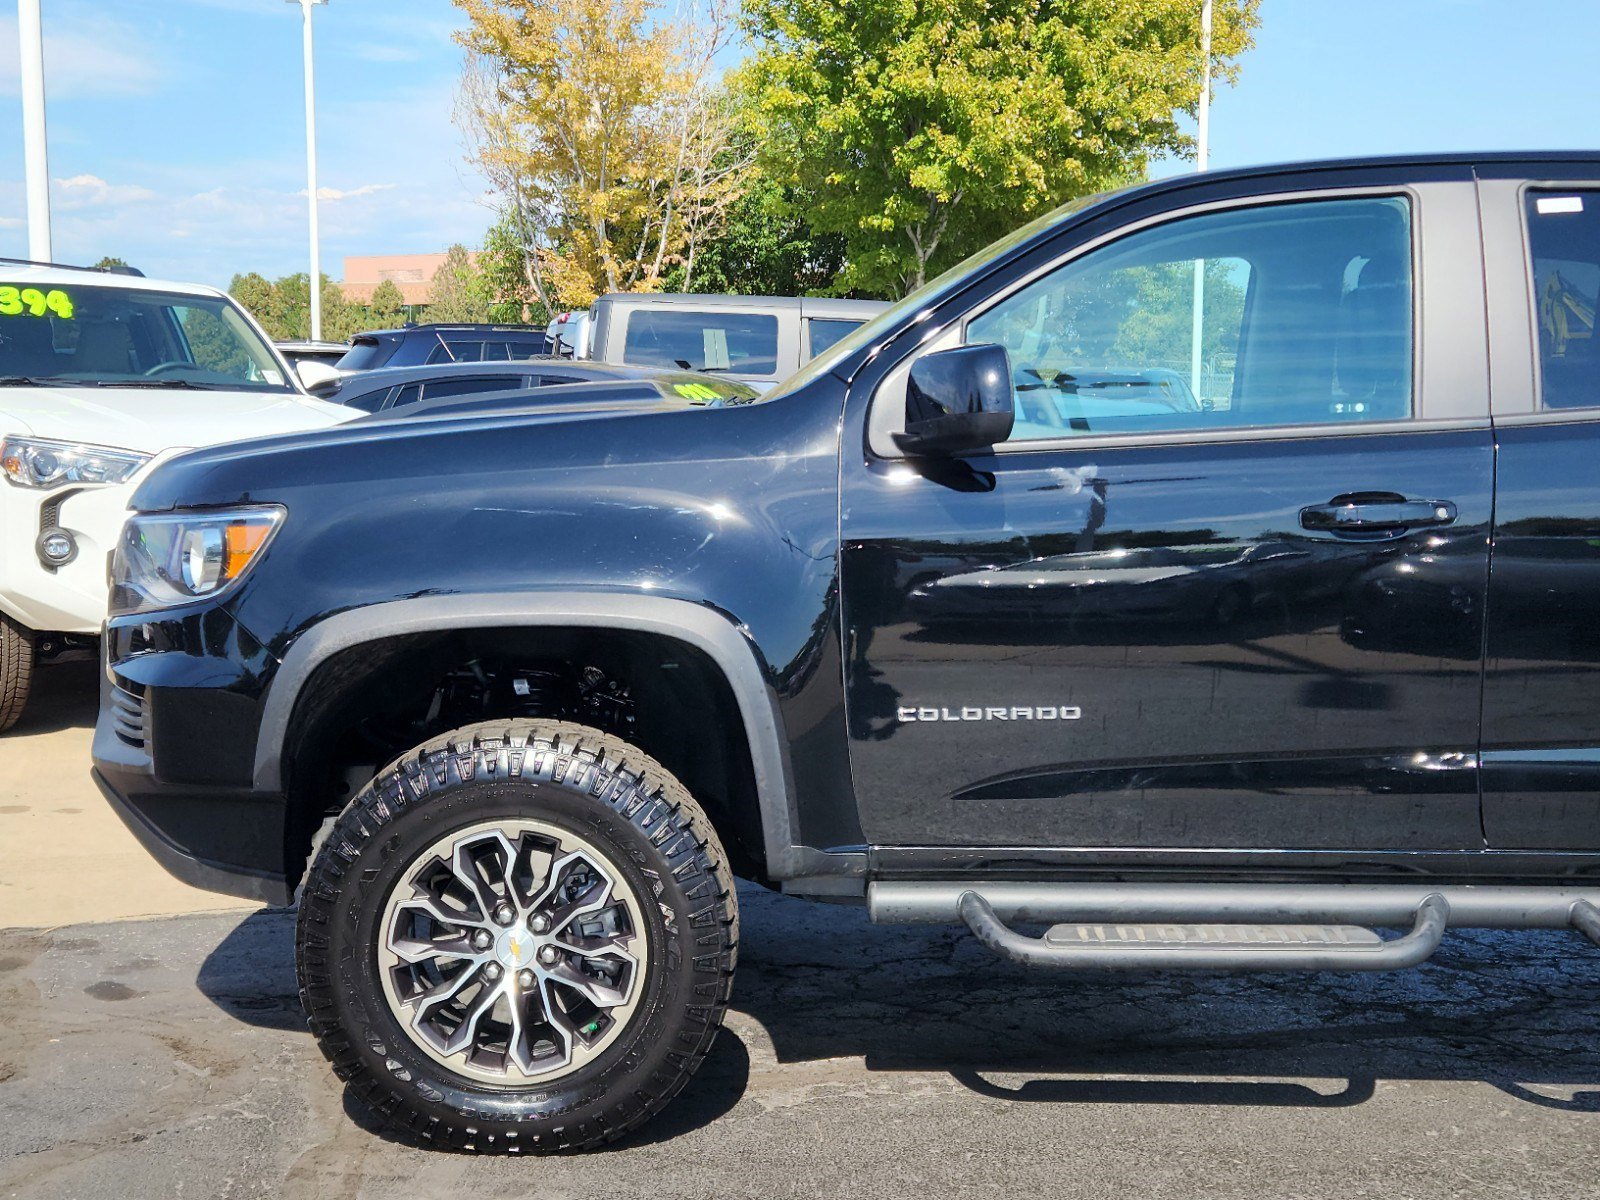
x: 90, y: 191
x: 334, y: 195
x: 109, y: 59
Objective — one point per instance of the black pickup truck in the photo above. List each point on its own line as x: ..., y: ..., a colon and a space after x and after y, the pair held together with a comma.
x: 1202, y: 577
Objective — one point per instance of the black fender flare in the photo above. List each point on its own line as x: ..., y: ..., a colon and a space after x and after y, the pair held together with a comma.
x: 701, y: 626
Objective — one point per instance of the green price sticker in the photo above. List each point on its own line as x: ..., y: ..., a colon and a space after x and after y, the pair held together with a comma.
x: 698, y: 392
x: 31, y: 302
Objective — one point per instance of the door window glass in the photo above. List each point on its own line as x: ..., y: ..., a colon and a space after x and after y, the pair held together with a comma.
x: 1290, y: 314
x: 823, y: 333
x: 1564, y: 240
x: 436, y: 388
x: 743, y: 343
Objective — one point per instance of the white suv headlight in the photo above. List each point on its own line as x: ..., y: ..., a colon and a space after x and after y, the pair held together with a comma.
x: 40, y: 463
x: 174, y: 558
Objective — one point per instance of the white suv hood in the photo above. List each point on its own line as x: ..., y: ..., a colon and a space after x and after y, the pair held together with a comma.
x: 150, y: 420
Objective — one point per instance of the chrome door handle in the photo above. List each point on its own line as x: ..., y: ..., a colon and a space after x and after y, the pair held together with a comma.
x: 1376, y: 515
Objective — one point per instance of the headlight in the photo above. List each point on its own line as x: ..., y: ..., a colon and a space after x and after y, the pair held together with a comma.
x: 174, y: 558
x: 38, y: 463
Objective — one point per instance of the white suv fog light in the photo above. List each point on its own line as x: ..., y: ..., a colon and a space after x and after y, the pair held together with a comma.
x: 56, y: 547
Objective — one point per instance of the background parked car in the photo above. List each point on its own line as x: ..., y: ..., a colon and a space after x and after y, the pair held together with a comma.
x: 568, y: 335
x: 760, y: 339
x: 415, y: 345
x: 400, y: 387
x: 298, y: 352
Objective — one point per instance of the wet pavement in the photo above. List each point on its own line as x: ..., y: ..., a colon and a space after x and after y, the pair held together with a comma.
x: 168, y: 1058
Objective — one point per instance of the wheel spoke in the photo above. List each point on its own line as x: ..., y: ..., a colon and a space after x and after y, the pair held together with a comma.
x: 467, y: 1032
x: 435, y: 907
x: 596, y: 991
x: 468, y: 863
x: 442, y: 992
x: 590, y: 899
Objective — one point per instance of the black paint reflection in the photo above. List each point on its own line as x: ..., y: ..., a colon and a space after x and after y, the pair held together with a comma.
x: 1173, y: 597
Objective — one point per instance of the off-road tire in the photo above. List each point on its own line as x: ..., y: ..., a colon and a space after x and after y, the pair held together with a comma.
x: 607, y: 792
x: 16, y: 670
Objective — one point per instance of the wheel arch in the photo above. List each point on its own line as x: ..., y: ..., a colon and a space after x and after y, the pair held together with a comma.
x: 704, y: 629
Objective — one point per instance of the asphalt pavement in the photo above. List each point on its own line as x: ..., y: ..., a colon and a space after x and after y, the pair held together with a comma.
x: 168, y: 1058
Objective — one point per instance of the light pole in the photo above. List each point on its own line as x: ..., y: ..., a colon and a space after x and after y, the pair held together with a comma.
x: 30, y: 37
x: 311, y: 169
x: 1202, y: 152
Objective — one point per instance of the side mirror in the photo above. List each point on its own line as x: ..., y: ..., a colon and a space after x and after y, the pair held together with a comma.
x: 319, y: 378
x: 958, y: 401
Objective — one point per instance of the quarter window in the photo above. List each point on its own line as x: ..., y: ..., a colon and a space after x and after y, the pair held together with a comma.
x: 823, y: 333
x: 1290, y: 314
x: 1564, y: 240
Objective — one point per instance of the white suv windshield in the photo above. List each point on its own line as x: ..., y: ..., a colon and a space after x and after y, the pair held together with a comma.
x: 127, y: 337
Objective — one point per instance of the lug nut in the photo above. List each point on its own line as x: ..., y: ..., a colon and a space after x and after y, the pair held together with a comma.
x: 503, y: 914
x: 549, y: 955
x: 539, y: 923
x: 481, y: 940
x: 492, y: 972
x: 525, y: 980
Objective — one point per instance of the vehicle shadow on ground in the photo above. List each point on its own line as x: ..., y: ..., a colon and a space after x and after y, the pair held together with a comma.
x: 1508, y: 1009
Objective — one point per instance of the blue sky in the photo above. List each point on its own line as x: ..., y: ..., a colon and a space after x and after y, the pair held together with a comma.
x: 176, y: 126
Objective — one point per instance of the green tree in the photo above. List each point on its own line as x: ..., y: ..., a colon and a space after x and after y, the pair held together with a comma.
x: 767, y: 248
x: 387, y: 308
x: 507, y: 280
x: 110, y: 263
x: 259, y: 297
x: 457, y: 291
x: 925, y: 129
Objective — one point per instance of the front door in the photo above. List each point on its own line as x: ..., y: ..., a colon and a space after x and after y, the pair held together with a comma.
x: 1223, y: 588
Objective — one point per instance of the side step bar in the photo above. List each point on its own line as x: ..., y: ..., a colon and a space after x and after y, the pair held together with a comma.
x: 1243, y: 927
x: 1211, y: 947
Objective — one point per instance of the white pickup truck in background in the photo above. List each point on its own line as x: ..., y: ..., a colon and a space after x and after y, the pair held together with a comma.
x: 100, y: 374
x: 760, y: 340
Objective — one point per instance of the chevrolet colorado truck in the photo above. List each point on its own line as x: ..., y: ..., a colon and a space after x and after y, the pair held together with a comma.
x: 1206, y: 576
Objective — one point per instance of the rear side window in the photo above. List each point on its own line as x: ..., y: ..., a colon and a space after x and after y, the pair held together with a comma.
x: 366, y: 402
x: 365, y: 354
x: 1279, y: 315
x: 446, y: 352
x: 823, y: 332
x: 438, y: 388
x: 741, y: 343
x: 1564, y: 241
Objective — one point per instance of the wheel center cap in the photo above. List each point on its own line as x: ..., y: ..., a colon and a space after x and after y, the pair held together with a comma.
x: 516, y: 948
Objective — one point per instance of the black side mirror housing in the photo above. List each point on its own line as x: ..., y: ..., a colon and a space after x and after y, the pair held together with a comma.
x: 958, y: 401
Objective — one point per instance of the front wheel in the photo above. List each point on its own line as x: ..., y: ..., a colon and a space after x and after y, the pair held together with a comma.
x: 519, y: 937
x: 16, y: 670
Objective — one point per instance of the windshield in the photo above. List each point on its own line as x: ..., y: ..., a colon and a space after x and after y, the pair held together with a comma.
x: 128, y: 337
x: 893, y: 316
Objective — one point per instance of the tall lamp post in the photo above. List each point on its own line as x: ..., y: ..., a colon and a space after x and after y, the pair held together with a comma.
x: 1202, y: 152
x: 311, y: 168
x: 30, y: 38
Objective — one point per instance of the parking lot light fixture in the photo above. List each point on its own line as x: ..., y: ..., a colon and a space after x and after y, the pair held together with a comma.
x: 315, y: 282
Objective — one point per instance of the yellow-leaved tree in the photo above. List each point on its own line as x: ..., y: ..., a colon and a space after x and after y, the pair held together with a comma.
x: 606, y: 132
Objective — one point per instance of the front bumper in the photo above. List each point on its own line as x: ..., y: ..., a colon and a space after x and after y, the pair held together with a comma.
x: 71, y: 598
x: 174, y: 751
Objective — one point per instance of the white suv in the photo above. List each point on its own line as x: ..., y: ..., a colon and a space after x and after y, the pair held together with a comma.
x: 100, y: 374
